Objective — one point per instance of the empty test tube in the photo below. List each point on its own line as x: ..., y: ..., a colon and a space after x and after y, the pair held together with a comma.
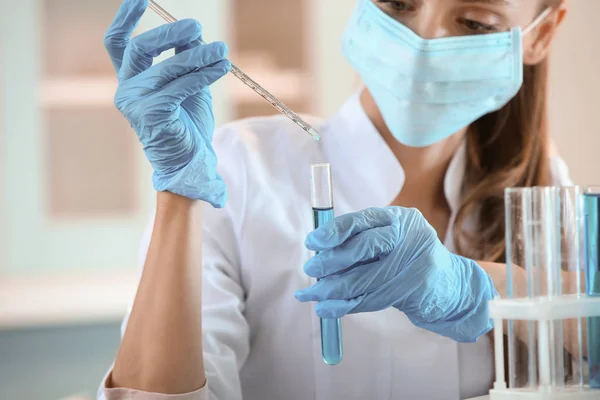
x: 321, y: 195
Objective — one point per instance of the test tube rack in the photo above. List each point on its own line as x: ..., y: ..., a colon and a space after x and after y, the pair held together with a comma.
x: 542, y: 311
x: 546, y: 240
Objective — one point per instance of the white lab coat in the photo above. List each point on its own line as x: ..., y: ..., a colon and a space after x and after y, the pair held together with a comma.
x: 260, y: 343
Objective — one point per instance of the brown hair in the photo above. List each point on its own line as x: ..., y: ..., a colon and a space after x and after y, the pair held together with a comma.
x: 506, y: 148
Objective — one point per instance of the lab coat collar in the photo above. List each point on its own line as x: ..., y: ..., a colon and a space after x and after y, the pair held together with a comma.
x: 365, y: 168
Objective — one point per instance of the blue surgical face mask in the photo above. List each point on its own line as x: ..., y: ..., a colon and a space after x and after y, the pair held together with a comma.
x: 427, y: 90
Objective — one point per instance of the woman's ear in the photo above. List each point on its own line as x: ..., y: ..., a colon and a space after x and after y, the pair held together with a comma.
x: 538, y: 41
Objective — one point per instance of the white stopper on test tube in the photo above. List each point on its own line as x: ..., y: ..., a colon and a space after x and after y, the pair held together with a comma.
x: 321, y: 190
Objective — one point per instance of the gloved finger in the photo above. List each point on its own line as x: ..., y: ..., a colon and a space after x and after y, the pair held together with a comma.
x: 190, y: 61
x: 366, y: 246
x: 119, y: 33
x: 164, y: 104
x: 337, y: 308
x: 201, y: 99
x: 142, y: 49
x: 187, y: 46
x: 347, y: 285
x: 193, y: 83
x: 346, y: 226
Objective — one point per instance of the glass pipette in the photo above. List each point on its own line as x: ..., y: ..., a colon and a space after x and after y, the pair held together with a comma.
x: 272, y: 100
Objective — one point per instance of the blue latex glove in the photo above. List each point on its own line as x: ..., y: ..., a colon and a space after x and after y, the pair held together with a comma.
x: 169, y: 104
x: 392, y: 257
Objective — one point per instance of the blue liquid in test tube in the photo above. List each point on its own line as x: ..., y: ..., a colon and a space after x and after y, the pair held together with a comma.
x: 322, y: 205
x: 591, y: 202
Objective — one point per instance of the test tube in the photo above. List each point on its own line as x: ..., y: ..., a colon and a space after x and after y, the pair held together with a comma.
x: 591, y: 201
x: 544, y: 236
x: 545, y: 268
x: 321, y: 196
x: 572, y: 262
x: 533, y: 242
x: 522, y: 366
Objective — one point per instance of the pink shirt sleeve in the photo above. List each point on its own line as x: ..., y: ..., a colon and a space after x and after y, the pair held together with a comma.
x: 106, y: 393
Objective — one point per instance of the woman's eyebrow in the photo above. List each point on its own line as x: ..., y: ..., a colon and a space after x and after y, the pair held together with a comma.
x: 492, y: 2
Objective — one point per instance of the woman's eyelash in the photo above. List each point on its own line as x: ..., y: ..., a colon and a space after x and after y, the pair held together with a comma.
x: 476, y: 26
x: 468, y: 24
x: 396, y: 5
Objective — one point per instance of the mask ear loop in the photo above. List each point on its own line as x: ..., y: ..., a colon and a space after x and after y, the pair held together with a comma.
x: 537, y: 21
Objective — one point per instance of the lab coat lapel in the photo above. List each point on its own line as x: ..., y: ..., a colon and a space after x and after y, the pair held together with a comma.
x: 364, y: 167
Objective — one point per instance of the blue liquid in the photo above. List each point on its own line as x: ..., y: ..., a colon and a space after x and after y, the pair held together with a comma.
x: 591, y: 208
x: 331, y: 329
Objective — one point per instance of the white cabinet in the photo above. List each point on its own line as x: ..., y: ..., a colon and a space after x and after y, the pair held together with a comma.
x: 75, y: 185
x: 75, y: 188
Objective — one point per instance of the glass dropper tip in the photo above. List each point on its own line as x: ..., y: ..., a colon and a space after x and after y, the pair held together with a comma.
x: 314, y: 134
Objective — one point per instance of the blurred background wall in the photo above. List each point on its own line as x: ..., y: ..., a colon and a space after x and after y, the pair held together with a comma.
x: 75, y: 190
x: 574, y: 89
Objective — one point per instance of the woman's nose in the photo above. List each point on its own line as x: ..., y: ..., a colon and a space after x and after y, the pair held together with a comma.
x: 429, y: 25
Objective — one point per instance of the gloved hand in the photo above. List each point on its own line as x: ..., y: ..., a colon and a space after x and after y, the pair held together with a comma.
x: 392, y: 257
x: 169, y: 104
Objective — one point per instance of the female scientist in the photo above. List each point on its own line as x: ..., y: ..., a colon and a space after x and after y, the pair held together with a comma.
x: 453, y: 111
